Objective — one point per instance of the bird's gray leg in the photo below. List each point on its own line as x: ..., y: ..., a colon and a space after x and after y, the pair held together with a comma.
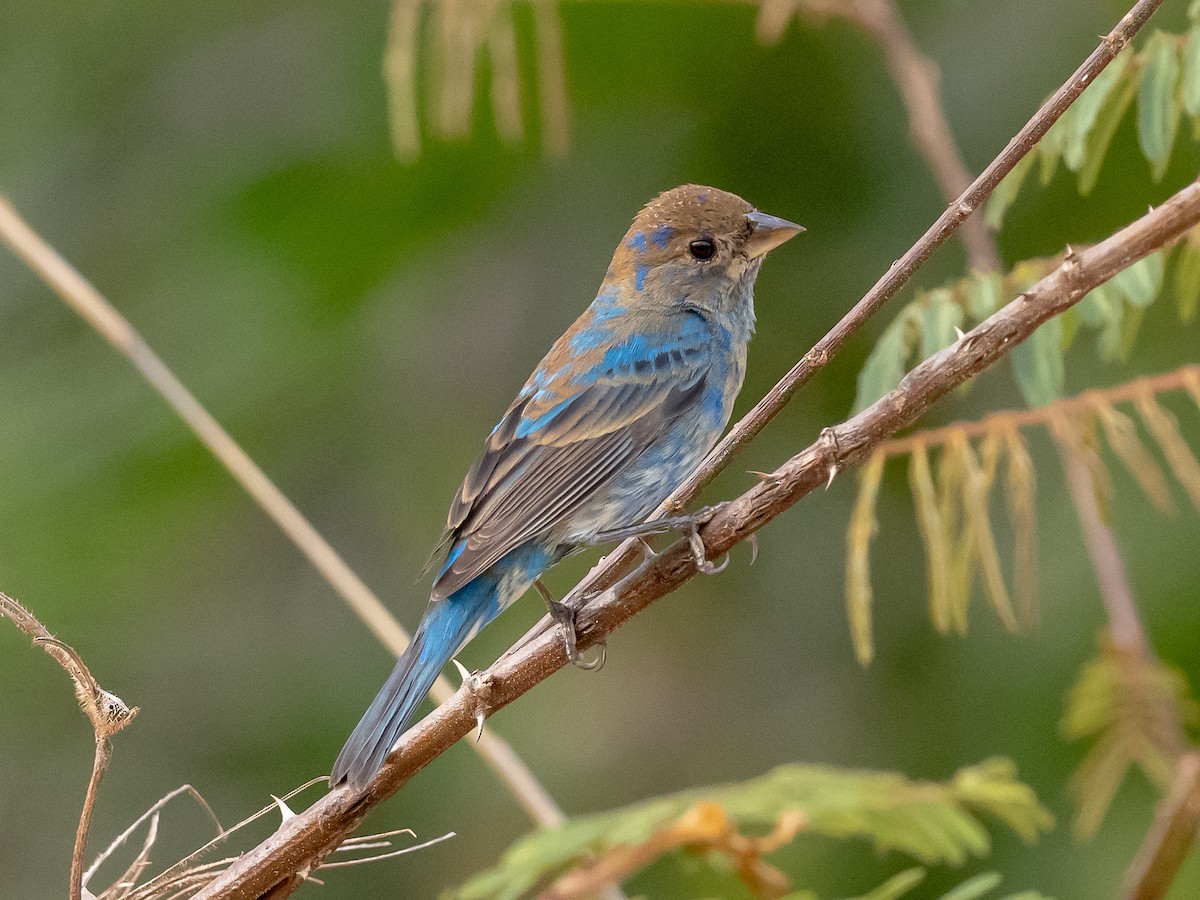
x: 565, y: 617
x: 679, y: 524
x: 688, y: 525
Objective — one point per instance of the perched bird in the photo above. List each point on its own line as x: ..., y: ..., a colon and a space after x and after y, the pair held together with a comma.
x: 617, y: 414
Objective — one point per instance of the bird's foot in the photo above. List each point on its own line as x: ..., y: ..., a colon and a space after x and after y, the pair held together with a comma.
x: 700, y: 554
x: 565, y: 616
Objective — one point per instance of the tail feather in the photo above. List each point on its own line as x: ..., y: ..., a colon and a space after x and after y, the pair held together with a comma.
x: 447, y: 626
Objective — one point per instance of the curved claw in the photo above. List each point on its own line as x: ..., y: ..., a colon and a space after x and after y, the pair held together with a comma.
x: 702, y: 563
x: 594, y: 665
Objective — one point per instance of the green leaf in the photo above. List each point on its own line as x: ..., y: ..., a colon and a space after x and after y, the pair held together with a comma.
x: 1087, y: 109
x: 1129, y: 331
x: 1071, y: 323
x: 941, y: 316
x: 885, y: 366
x: 1194, y: 10
x: 1006, y: 191
x: 976, y: 887
x: 1187, y: 280
x: 1038, y: 364
x: 896, y: 886
x: 1052, y: 145
x: 1158, y: 109
x: 1191, y: 73
x: 934, y: 822
x: 1141, y: 282
x: 1104, y: 308
x: 1116, y: 103
x: 983, y: 294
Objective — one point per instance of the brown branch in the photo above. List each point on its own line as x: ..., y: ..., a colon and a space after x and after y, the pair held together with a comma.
x: 307, y: 838
x: 107, y: 713
x: 1152, y: 871
x: 916, y: 77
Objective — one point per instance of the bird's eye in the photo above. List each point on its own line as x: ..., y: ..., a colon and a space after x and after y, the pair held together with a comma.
x: 702, y: 249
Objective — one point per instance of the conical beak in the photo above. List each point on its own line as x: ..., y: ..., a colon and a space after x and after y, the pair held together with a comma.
x: 768, y: 233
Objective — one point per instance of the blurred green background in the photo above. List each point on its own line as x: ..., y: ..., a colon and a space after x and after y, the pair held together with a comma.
x: 222, y: 172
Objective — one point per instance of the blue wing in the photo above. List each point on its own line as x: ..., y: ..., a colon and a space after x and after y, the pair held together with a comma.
x: 564, y: 438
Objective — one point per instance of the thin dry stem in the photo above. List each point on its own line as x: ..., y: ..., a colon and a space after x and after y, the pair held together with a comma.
x: 1169, y: 839
x: 82, y: 297
x: 1124, y: 624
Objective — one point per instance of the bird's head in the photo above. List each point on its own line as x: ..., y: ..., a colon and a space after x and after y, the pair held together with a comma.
x: 696, y: 245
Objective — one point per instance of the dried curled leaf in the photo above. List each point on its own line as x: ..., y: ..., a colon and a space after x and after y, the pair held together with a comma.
x: 460, y: 36
x: 978, y: 481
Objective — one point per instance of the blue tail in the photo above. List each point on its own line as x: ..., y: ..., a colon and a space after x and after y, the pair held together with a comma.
x: 447, y: 625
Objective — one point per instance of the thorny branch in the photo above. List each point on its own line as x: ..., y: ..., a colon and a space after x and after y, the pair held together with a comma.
x: 308, y: 837
x: 107, y: 712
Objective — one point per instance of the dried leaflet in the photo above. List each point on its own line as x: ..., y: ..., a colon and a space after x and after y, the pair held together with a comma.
x: 929, y: 523
x: 863, y: 526
x: 1122, y: 437
x: 1021, y: 481
x: 978, y: 483
x: 951, y: 475
x: 1165, y: 429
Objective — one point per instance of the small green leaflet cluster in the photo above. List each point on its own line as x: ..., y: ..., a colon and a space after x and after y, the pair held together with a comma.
x: 1164, y: 78
x: 930, y: 323
x: 1113, y: 310
x: 936, y: 823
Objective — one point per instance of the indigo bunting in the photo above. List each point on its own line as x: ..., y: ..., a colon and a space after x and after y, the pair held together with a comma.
x: 626, y: 403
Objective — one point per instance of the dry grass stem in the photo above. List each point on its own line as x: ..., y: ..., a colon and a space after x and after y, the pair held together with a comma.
x: 82, y: 297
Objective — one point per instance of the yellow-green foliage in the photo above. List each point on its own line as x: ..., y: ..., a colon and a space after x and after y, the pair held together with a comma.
x: 1164, y: 78
x: 937, y: 823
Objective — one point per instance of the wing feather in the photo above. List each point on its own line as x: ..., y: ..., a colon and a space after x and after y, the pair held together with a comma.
x: 523, y: 486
